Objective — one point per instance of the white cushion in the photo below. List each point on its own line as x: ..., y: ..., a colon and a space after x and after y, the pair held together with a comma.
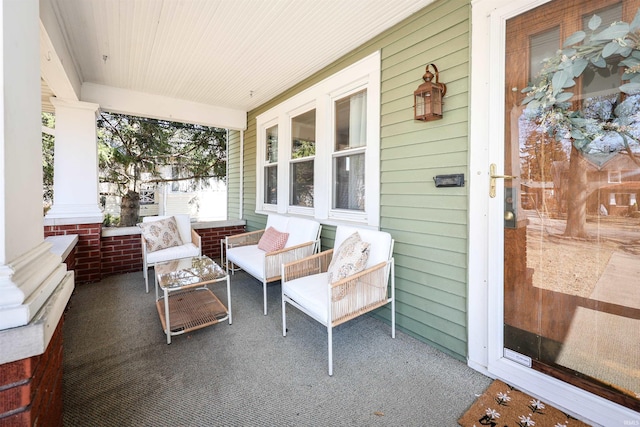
x: 279, y: 222
x: 184, y: 224
x: 312, y: 293
x: 249, y: 258
x: 175, y: 252
x: 380, y: 241
x: 301, y: 230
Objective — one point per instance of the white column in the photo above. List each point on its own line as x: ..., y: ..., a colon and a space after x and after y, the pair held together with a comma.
x: 75, y: 169
x: 29, y: 272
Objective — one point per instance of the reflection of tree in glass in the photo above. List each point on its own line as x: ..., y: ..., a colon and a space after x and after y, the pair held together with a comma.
x: 550, y: 106
x: 303, y: 148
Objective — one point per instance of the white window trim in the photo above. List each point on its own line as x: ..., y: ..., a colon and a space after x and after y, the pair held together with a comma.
x: 364, y: 74
x: 261, y: 154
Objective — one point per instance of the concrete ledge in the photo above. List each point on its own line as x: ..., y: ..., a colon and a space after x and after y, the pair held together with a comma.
x: 63, y: 245
x: 128, y: 231
x: 32, y: 339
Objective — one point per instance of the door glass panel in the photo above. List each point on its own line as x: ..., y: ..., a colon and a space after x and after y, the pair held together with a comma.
x: 572, y: 225
x: 540, y: 47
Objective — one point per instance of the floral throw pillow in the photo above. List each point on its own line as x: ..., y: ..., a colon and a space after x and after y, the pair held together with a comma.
x: 161, y: 234
x: 272, y: 240
x: 350, y: 258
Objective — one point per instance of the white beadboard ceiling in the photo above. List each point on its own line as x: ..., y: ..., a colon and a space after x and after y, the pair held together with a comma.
x: 229, y: 53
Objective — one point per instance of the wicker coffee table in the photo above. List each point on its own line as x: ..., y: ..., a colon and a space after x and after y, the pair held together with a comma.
x: 187, y: 303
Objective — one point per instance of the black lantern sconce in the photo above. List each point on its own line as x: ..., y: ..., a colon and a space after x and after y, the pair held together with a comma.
x: 427, y: 98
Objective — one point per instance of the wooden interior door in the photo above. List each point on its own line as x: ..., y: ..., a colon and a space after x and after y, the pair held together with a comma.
x: 544, y: 314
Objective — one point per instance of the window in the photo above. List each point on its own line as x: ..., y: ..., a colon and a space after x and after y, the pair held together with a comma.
x: 349, y: 154
x: 271, y: 166
x: 303, y: 151
x: 614, y: 177
x: 331, y: 161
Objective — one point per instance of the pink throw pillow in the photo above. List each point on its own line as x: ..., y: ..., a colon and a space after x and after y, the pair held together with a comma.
x: 272, y: 240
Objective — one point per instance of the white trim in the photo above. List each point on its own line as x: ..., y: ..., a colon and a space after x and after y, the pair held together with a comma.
x: 364, y: 74
x: 124, y: 101
x: 485, y: 308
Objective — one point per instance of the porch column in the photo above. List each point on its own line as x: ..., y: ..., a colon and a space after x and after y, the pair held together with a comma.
x: 75, y: 168
x: 34, y: 284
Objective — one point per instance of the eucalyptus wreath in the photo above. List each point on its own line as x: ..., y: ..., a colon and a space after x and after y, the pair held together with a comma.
x: 549, y: 104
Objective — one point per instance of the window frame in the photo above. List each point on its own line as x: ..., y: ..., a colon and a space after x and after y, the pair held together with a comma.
x: 262, y: 151
x: 362, y: 75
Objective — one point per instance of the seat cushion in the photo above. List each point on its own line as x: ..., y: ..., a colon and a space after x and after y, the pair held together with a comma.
x: 312, y: 293
x: 272, y: 240
x: 350, y: 258
x: 249, y: 258
x: 175, y: 252
x: 161, y: 234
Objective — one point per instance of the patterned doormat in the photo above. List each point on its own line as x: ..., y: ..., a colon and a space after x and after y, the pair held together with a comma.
x: 504, y: 406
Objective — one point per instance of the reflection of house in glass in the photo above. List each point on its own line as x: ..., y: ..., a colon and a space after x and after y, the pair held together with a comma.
x: 613, y: 184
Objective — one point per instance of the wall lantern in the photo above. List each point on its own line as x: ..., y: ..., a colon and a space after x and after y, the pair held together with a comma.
x: 427, y: 99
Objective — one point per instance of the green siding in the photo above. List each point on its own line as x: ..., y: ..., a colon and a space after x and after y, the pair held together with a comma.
x: 233, y: 175
x: 430, y: 225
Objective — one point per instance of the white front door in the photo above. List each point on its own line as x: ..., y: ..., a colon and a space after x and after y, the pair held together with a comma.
x: 541, y: 316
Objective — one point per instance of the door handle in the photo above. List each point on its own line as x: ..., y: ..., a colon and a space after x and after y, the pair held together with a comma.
x: 493, y: 176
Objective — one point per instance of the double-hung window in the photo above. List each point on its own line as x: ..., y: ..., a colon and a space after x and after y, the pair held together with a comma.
x: 349, y: 152
x: 328, y: 162
x: 303, y: 151
x: 271, y: 166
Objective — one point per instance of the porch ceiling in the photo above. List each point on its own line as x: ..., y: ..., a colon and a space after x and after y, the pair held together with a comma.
x: 234, y: 54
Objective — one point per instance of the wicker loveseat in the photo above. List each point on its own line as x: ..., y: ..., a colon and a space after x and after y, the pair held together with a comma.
x: 242, y: 250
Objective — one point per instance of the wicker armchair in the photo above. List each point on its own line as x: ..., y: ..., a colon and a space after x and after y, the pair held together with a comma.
x: 305, y: 285
x: 241, y: 250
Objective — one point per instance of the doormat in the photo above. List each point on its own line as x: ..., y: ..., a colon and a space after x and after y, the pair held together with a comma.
x: 504, y: 406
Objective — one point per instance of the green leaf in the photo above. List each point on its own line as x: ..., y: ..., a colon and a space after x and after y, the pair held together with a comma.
x: 599, y: 62
x: 610, y: 49
x: 578, y: 121
x: 574, y: 38
x: 624, y: 51
x: 635, y: 24
x: 569, y: 83
x: 527, y: 99
x: 576, y: 134
x: 560, y: 79
x: 630, y: 88
x: 630, y: 62
x: 534, y: 105
x: 579, y: 66
x: 617, y: 30
x: 594, y: 22
x: 564, y: 96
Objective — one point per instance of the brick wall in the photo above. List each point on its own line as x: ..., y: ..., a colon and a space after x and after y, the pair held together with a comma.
x: 31, y: 388
x: 96, y: 257
x: 121, y: 254
x: 88, y: 249
x: 211, y: 239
